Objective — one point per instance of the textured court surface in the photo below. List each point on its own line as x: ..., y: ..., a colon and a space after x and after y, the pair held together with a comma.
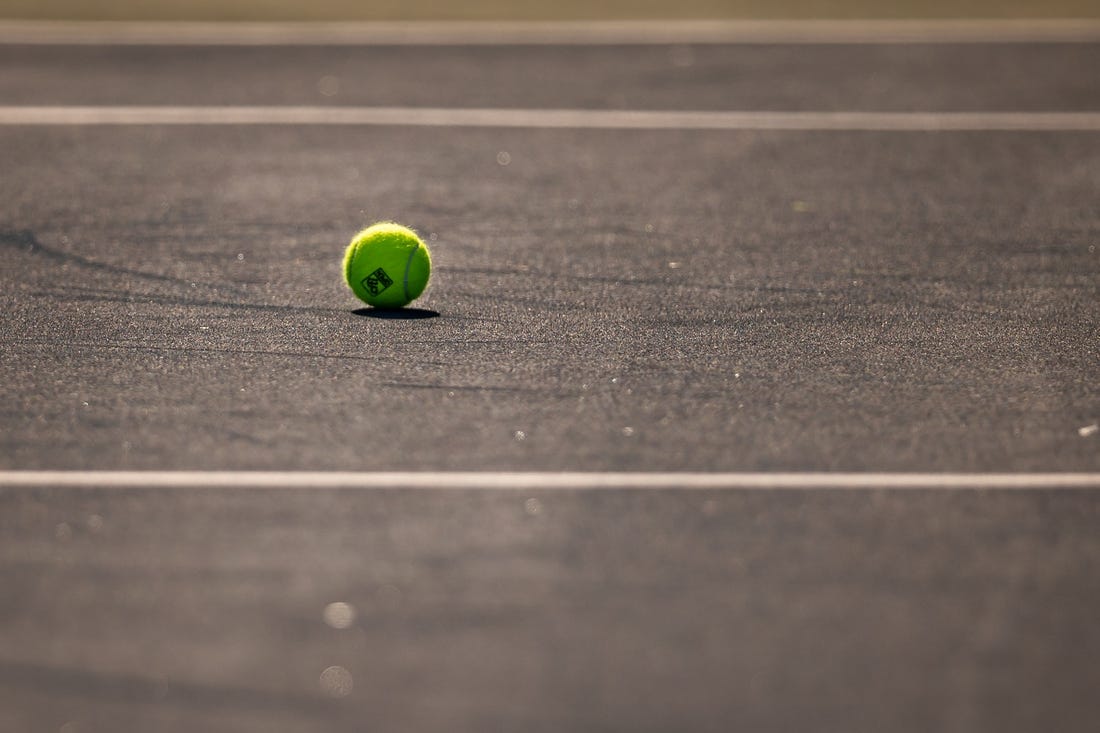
x: 603, y: 300
x: 802, y: 301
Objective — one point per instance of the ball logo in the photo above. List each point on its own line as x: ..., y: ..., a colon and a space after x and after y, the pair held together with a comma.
x: 377, y: 281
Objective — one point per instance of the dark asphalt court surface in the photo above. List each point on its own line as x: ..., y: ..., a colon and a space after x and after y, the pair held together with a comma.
x: 905, y: 77
x: 601, y: 301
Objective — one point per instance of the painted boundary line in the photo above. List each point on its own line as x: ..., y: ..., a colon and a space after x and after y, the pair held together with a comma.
x: 492, y: 33
x: 556, y: 118
x: 543, y: 480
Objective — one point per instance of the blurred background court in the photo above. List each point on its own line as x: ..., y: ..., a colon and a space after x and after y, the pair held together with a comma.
x: 757, y: 386
x: 273, y: 10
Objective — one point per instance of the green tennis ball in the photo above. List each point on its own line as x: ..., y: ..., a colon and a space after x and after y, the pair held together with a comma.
x: 387, y: 265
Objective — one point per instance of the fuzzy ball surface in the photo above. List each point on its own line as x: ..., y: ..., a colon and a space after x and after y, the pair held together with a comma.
x: 387, y: 265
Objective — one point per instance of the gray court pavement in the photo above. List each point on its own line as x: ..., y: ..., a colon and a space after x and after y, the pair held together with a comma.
x: 549, y: 611
x: 905, y: 77
x: 737, y: 300
x: 602, y: 300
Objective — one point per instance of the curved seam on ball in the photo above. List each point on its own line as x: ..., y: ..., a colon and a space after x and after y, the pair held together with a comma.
x: 408, y: 264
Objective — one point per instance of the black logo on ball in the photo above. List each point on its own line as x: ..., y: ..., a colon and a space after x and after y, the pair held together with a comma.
x: 377, y: 281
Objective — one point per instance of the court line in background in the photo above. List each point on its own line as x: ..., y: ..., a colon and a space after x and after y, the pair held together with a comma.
x: 554, y: 118
x: 543, y: 480
x: 640, y: 32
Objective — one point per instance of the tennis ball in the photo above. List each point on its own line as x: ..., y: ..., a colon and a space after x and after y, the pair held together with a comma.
x: 387, y: 265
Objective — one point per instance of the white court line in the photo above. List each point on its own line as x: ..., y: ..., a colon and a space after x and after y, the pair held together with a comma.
x: 554, y: 118
x: 428, y: 33
x: 543, y: 480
